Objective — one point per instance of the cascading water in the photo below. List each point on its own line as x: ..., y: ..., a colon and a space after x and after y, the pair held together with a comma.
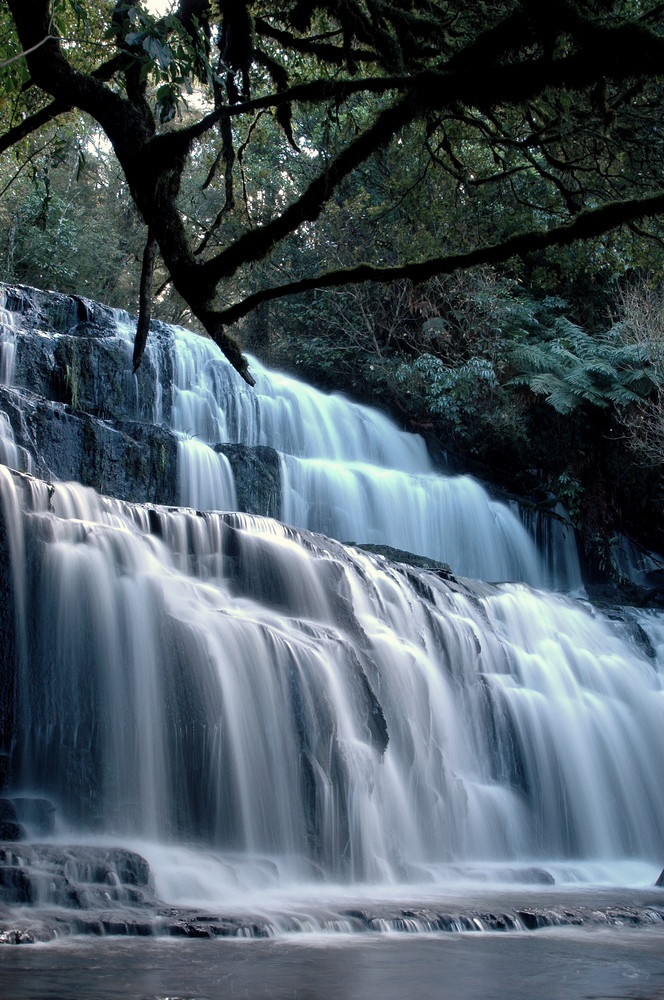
x: 227, y: 680
x: 7, y: 347
x: 205, y: 477
x: 11, y: 454
x: 269, y: 716
x: 347, y: 471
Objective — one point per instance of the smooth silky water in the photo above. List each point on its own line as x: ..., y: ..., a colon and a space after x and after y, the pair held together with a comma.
x: 312, y: 741
x: 558, y: 965
x: 346, y: 470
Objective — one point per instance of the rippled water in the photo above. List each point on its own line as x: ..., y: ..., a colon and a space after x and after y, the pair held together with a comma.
x: 555, y: 965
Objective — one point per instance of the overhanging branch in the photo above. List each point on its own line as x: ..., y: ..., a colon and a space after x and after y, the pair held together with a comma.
x: 32, y: 124
x: 257, y: 243
x: 322, y: 50
x: 587, y: 224
x: 612, y: 53
x: 315, y: 92
x: 53, y: 110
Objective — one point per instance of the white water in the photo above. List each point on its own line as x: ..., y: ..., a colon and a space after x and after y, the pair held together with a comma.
x: 347, y: 471
x: 7, y: 346
x: 282, y: 725
x: 11, y: 454
x: 306, y: 712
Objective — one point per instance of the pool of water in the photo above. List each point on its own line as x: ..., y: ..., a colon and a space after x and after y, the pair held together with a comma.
x: 553, y: 964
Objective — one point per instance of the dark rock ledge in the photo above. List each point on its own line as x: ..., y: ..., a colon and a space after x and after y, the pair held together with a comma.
x: 49, y: 891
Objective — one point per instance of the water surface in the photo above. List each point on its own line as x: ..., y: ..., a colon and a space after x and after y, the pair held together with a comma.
x: 567, y: 964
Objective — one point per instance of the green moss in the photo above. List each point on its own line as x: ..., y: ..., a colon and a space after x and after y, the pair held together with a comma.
x: 93, y: 462
x: 160, y: 459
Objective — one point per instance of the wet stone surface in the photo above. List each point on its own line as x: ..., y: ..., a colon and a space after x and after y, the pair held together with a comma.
x: 50, y: 891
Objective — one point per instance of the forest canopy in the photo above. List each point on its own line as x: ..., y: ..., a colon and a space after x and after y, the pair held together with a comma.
x: 239, y: 129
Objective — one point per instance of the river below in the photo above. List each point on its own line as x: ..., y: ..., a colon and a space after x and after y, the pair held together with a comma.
x: 556, y: 964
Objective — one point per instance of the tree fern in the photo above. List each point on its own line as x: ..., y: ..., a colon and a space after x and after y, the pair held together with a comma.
x: 574, y: 369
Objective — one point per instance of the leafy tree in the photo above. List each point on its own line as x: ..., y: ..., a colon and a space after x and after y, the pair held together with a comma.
x: 67, y: 220
x: 552, y: 109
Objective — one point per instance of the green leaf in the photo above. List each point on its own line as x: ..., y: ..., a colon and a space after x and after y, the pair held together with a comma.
x: 157, y: 51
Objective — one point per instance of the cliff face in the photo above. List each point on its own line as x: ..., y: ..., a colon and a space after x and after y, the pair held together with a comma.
x: 72, y: 409
x: 75, y: 411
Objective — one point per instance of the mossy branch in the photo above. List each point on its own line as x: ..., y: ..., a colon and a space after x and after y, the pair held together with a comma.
x: 587, y: 224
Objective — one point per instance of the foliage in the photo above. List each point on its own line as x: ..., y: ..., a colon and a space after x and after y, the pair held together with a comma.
x: 296, y: 105
x: 375, y: 213
x: 67, y: 221
x: 455, y: 360
x: 574, y: 369
x: 641, y: 329
x: 457, y: 394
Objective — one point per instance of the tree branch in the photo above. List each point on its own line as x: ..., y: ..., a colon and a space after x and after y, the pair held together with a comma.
x: 521, y: 56
x: 32, y: 124
x: 257, y: 244
x: 53, y: 110
x: 614, y: 53
x: 305, y: 93
x: 53, y: 73
x: 587, y: 224
x: 324, y: 51
x: 25, y: 53
x: 145, y: 300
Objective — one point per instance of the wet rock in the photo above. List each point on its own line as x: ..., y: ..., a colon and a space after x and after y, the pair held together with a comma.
x: 7, y: 651
x: 4, y: 764
x: 46, y: 310
x: 190, y: 930
x: 660, y: 881
x: 84, y: 878
x: 68, y: 351
x: 10, y: 828
x: 18, y: 936
x: 409, y: 558
x: 77, y: 408
x: 16, y: 885
x: 257, y: 473
x: 529, y: 876
x: 531, y: 920
x: 361, y: 917
x: 131, y: 868
x: 129, y: 460
x: 37, y: 814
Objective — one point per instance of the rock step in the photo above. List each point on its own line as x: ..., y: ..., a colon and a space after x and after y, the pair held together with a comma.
x: 171, y: 922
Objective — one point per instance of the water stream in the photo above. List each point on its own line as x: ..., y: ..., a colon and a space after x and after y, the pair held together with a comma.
x: 348, y: 471
x: 298, y: 734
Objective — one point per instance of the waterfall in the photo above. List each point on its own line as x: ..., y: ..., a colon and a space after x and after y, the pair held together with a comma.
x: 11, y: 454
x: 347, y: 470
x: 7, y: 347
x: 205, y: 477
x: 556, y: 543
x: 264, y: 709
x: 227, y: 680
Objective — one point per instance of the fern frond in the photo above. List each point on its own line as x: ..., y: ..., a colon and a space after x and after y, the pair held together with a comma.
x: 556, y: 392
x: 622, y: 396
